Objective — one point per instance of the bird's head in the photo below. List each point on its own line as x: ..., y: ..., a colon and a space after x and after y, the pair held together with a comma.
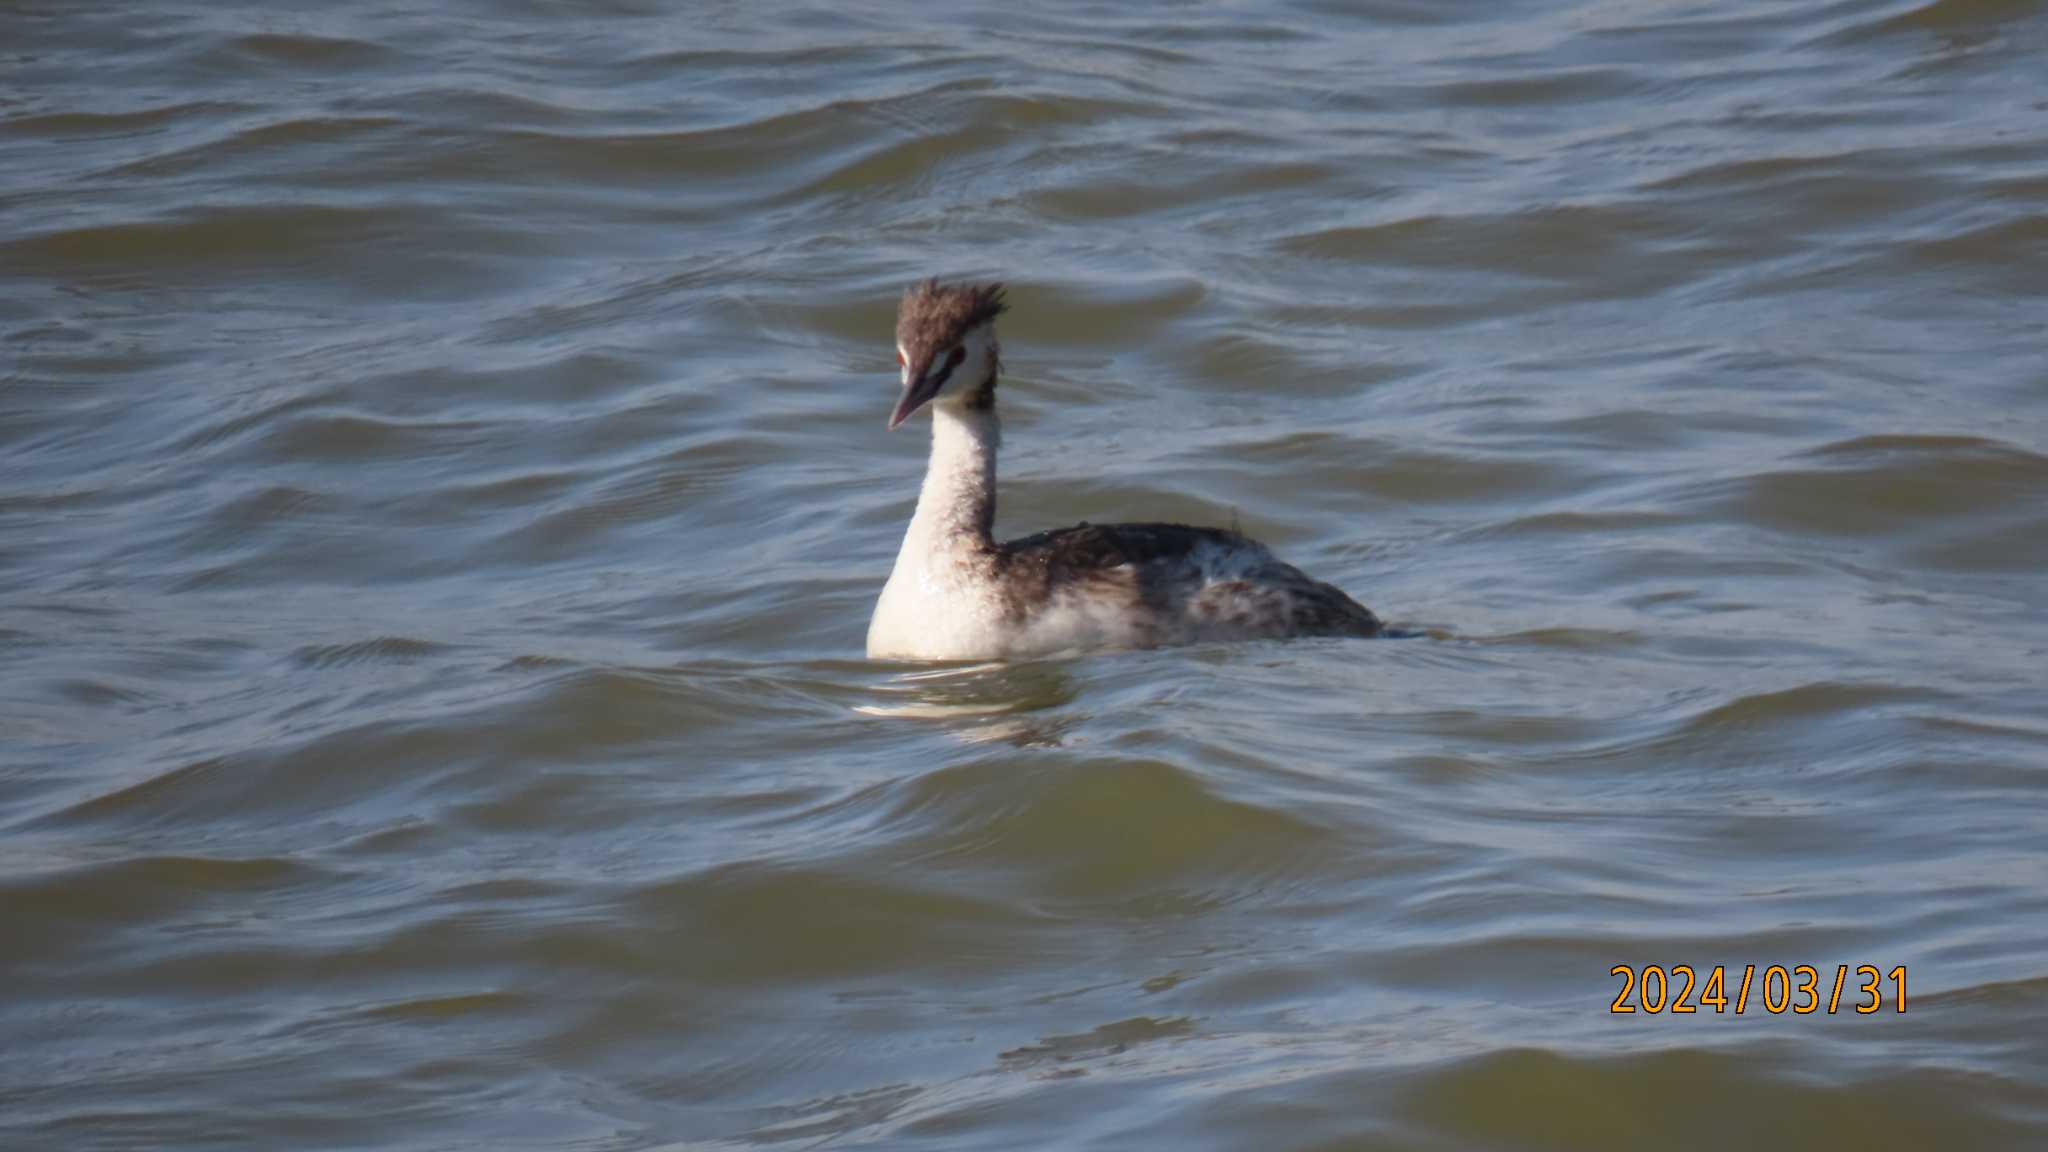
x: 946, y: 346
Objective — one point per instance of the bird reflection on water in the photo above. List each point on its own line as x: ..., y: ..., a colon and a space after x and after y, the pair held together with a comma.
x: 996, y: 702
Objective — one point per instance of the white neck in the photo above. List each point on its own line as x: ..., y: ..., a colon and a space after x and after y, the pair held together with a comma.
x: 957, y: 506
x: 935, y: 605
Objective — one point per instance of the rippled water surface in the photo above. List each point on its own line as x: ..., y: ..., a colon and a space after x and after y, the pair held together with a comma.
x: 443, y: 485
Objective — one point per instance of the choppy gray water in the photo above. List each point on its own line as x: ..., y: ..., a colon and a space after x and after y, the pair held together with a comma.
x: 443, y: 485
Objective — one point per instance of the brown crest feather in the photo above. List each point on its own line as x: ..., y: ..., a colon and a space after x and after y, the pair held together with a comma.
x: 935, y: 315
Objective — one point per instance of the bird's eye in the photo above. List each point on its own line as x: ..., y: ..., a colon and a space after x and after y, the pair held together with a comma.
x: 899, y: 358
x: 954, y: 357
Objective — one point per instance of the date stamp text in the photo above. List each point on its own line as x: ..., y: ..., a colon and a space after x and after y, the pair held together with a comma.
x: 1801, y: 989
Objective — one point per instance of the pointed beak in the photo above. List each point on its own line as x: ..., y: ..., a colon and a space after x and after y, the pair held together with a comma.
x: 917, y: 390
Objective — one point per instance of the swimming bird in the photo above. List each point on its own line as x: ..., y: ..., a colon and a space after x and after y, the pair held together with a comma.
x: 957, y: 594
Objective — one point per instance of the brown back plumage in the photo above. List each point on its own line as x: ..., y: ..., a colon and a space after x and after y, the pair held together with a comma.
x: 1270, y: 598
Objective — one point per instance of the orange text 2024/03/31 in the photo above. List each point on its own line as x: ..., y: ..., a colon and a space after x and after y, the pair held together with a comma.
x: 1776, y: 989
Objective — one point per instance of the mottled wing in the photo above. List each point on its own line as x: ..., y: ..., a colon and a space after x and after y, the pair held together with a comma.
x: 1209, y: 578
x: 1085, y: 549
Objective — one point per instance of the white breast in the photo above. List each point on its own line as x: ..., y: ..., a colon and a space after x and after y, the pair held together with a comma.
x: 934, y: 611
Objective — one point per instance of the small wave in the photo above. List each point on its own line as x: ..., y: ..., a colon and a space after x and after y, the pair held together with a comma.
x: 270, y: 142
x: 1887, y: 485
x: 358, y: 437
x: 302, y: 50
x: 1112, y: 1039
x: 1496, y: 1100
x: 382, y: 649
x: 66, y: 905
x: 1105, y: 830
x: 782, y: 923
x: 1803, y: 703
x: 1584, y: 244
x: 1949, y: 19
x: 71, y: 126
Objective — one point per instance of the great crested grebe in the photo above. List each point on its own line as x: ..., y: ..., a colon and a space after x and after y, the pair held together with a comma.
x: 957, y: 594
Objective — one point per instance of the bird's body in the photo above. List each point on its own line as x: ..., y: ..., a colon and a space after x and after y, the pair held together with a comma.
x: 957, y: 594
